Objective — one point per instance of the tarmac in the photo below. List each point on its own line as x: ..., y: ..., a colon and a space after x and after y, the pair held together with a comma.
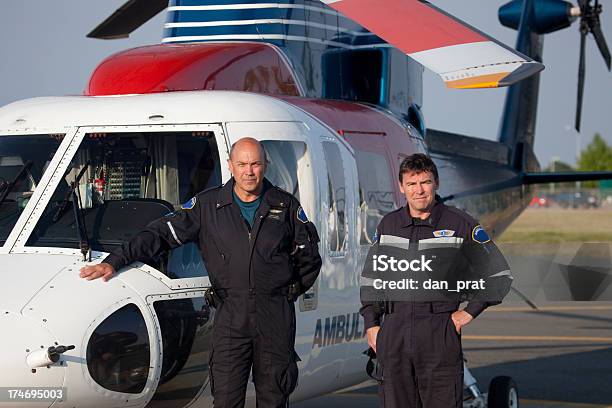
x: 559, y: 355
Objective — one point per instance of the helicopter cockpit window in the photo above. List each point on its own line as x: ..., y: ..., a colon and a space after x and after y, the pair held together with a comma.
x: 336, y: 220
x: 376, y: 196
x: 23, y: 160
x: 118, y: 353
x: 119, y: 182
x: 283, y: 158
x: 354, y: 75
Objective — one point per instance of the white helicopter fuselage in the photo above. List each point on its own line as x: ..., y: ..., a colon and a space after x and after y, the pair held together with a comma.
x: 44, y: 302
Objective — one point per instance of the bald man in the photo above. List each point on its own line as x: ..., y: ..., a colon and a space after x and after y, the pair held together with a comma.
x: 261, y: 253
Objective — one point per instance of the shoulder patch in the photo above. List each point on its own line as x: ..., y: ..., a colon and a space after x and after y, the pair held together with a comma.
x: 375, y: 238
x: 443, y: 233
x: 189, y: 204
x: 301, y: 215
x: 480, y: 235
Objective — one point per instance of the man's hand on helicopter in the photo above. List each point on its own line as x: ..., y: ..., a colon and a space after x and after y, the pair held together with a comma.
x: 103, y: 270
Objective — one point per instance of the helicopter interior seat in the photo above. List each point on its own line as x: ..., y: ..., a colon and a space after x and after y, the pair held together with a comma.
x: 10, y: 166
x: 122, y: 219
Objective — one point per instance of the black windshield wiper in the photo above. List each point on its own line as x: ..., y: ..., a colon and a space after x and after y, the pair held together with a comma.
x: 78, y: 213
x: 62, y: 206
x: 10, y: 186
x: 80, y: 224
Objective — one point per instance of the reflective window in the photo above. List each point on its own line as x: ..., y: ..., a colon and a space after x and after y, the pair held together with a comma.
x: 376, y: 196
x: 404, y: 86
x: 123, y: 181
x: 353, y: 75
x: 186, y: 327
x: 283, y: 159
x: 118, y: 353
x: 336, y: 191
x: 23, y: 160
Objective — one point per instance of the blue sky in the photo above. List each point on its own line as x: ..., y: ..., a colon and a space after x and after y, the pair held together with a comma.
x: 45, y: 52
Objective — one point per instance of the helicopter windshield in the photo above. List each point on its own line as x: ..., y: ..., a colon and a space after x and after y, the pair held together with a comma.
x: 23, y: 160
x: 127, y: 180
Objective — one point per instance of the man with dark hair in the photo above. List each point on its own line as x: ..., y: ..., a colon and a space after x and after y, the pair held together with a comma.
x: 419, y: 345
x: 418, y: 163
x: 261, y: 253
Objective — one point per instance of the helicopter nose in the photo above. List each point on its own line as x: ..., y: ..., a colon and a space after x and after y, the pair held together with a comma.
x: 25, y: 344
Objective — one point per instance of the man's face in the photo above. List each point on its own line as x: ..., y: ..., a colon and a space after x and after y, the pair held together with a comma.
x: 248, y: 166
x: 419, y: 189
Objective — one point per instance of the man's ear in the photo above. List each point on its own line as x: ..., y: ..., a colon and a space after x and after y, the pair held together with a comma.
x: 399, y: 183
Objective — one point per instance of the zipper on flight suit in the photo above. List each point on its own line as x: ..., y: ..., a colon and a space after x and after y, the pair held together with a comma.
x: 246, y: 223
x: 259, y: 216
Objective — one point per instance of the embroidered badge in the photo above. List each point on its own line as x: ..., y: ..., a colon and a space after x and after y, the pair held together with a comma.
x: 301, y: 215
x: 443, y: 233
x: 480, y: 235
x: 189, y: 204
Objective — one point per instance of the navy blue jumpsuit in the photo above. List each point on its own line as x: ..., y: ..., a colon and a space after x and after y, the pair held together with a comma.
x: 251, y: 270
x: 418, y: 347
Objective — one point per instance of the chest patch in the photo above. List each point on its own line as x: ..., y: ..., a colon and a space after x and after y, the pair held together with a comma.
x: 443, y: 233
x: 276, y: 214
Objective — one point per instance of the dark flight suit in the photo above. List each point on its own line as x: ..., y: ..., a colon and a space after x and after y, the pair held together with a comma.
x: 251, y: 270
x: 418, y: 348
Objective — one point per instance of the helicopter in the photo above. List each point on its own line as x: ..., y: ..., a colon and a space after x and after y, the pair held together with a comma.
x: 333, y: 90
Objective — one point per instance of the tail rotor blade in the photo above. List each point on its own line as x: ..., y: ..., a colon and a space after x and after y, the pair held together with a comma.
x: 601, y: 43
x: 581, y: 74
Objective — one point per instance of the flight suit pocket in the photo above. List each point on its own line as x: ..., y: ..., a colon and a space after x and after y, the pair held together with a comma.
x: 455, y: 339
x: 379, y: 344
x: 274, y: 239
x: 449, y: 393
x: 215, y: 253
x: 451, y: 326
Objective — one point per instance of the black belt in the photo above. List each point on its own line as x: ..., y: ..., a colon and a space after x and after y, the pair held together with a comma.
x: 384, y: 307
x: 215, y: 296
x: 224, y: 293
x: 418, y: 308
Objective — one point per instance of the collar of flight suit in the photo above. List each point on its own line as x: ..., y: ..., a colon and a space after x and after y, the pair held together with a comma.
x: 270, y: 195
x: 431, y: 221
